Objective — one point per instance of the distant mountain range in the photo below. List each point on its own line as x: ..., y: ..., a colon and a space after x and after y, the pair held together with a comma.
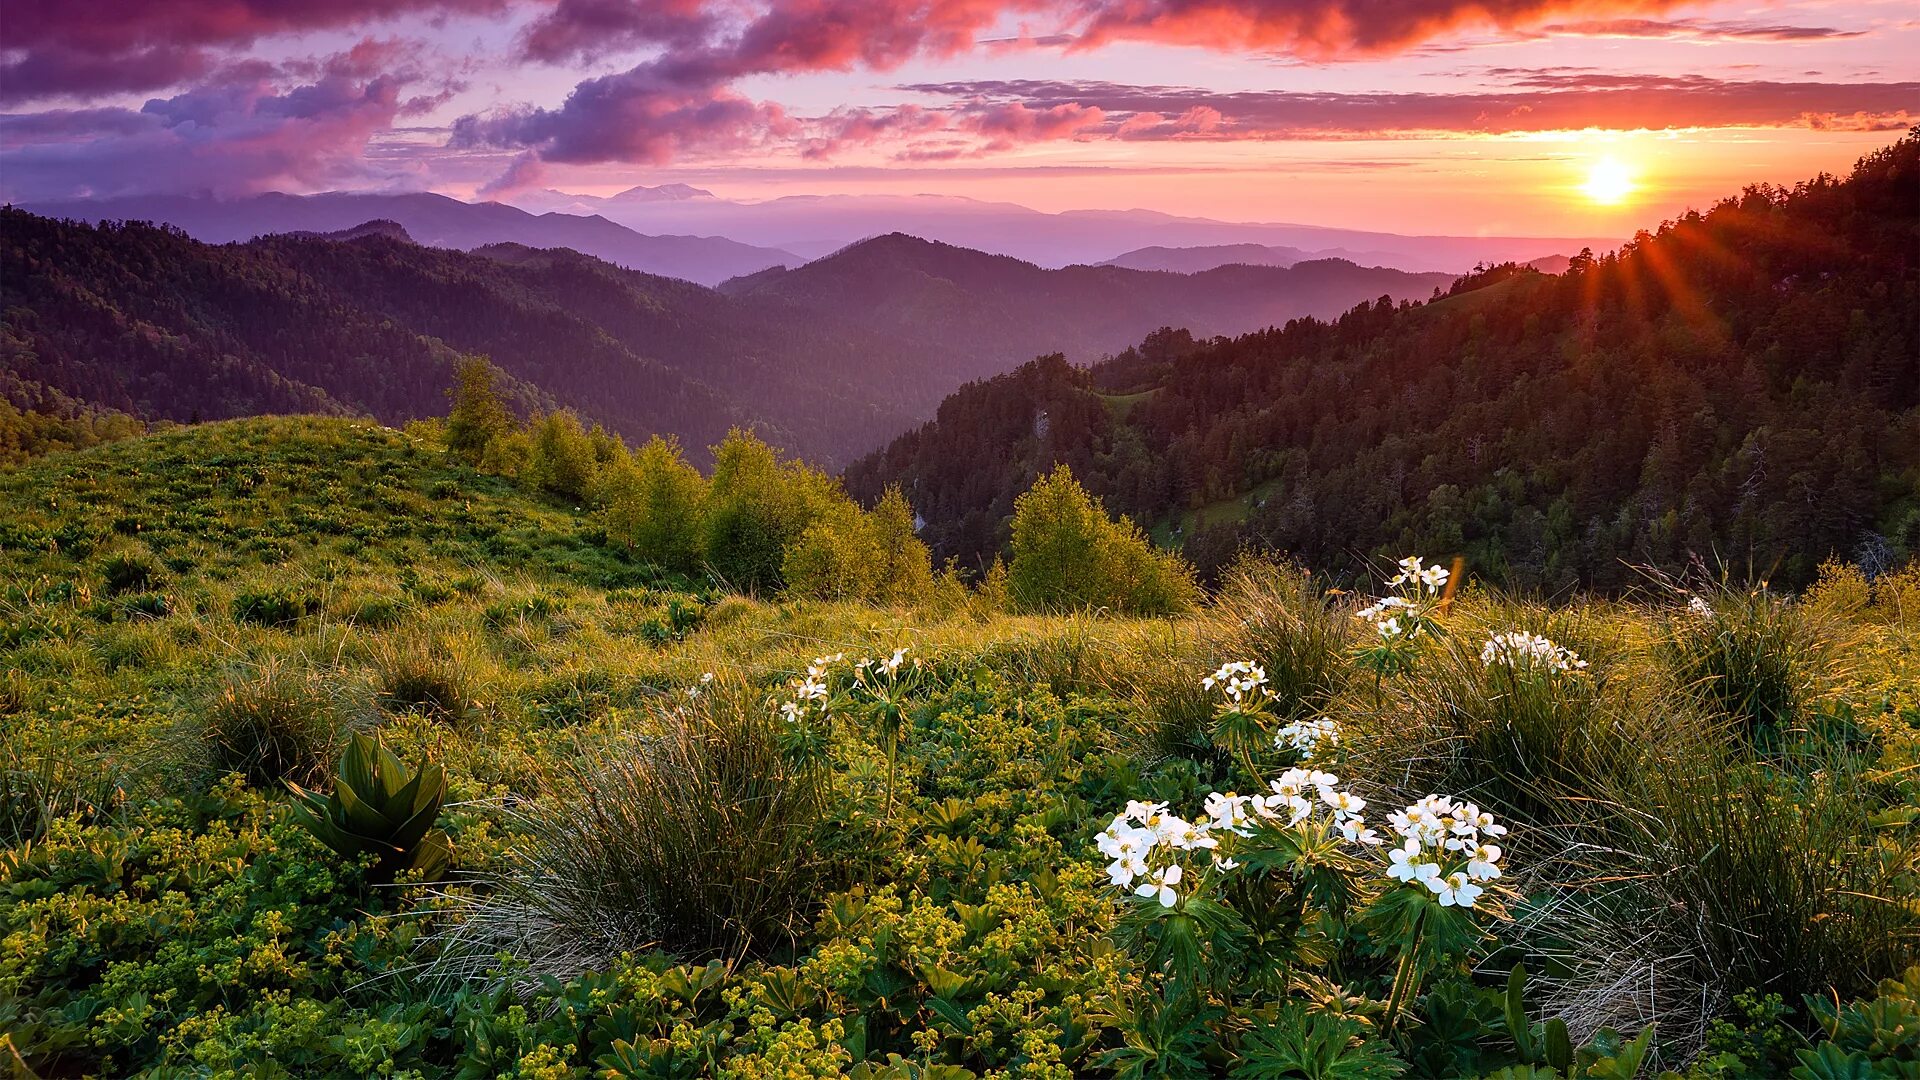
x: 832, y: 358
x: 435, y: 220
x: 676, y: 230
x: 1000, y: 311
x: 814, y: 225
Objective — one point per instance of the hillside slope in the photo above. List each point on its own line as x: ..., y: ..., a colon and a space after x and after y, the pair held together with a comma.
x: 147, y: 321
x: 1743, y: 386
x: 999, y: 311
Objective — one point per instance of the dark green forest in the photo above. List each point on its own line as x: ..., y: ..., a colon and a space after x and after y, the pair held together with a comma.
x: 1740, y: 389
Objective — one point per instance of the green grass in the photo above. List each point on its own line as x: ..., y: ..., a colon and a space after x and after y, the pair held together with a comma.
x: 165, y: 915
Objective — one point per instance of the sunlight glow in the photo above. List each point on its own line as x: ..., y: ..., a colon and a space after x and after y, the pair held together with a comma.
x: 1608, y: 183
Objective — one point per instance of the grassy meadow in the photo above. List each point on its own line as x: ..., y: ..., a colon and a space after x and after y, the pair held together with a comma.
x: 656, y: 829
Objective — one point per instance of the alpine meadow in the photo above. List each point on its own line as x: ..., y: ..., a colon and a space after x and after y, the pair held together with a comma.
x: 959, y: 540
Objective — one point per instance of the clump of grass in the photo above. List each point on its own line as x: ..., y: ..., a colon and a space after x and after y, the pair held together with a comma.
x: 698, y: 837
x: 374, y: 611
x: 1780, y: 881
x: 38, y: 788
x: 1532, y: 744
x: 574, y: 696
x: 1752, y: 656
x: 1276, y: 616
x: 424, y: 674
x: 270, y: 725
x: 273, y: 608
x: 125, y: 573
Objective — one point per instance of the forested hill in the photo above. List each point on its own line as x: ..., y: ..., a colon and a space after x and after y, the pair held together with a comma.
x: 999, y: 311
x: 145, y: 320
x: 1742, y: 386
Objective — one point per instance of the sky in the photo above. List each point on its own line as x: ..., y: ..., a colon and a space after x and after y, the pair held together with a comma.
x: 1514, y: 117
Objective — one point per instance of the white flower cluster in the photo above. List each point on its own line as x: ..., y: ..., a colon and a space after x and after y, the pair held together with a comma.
x: 1242, y: 681
x: 1428, y: 579
x: 888, y: 667
x: 1519, y: 649
x: 1698, y: 606
x: 1444, y: 846
x: 1306, y: 736
x: 810, y: 694
x: 1146, y: 841
x: 1398, y: 618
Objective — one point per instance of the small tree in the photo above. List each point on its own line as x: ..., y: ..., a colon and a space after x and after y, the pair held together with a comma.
x: 757, y: 506
x: 655, y: 503
x: 563, y: 460
x: 479, y: 415
x: 1069, y: 556
x: 905, y: 572
x: 837, y: 557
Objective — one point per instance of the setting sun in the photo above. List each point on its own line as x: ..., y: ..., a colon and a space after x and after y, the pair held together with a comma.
x: 1609, y: 182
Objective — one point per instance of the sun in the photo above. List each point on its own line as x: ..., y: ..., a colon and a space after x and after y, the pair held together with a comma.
x: 1608, y: 182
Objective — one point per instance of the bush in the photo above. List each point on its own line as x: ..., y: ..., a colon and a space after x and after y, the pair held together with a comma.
x: 757, y: 505
x: 479, y: 415
x: 838, y: 557
x: 272, y: 725
x: 698, y: 836
x: 1069, y: 556
x: 273, y: 608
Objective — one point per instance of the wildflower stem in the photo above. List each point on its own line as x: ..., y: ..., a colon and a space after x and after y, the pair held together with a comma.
x: 1406, y: 974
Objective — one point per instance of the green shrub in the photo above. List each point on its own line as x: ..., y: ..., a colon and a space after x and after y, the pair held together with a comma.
x: 561, y: 458
x: 479, y: 416
x: 150, y: 605
x: 273, y: 724
x: 757, y: 505
x: 380, y: 807
x: 1069, y: 556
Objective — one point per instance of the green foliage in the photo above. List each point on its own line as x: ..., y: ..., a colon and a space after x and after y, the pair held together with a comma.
x: 1751, y: 655
x: 562, y: 460
x: 274, y: 607
x: 479, y: 415
x: 1315, y: 1046
x: 757, y: 507
x: 423, y: 674
x: 382, y: 808
x: 654, y: 502
x: 697, y: 835
x: 127, y: 573
x: 1067, y: 555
